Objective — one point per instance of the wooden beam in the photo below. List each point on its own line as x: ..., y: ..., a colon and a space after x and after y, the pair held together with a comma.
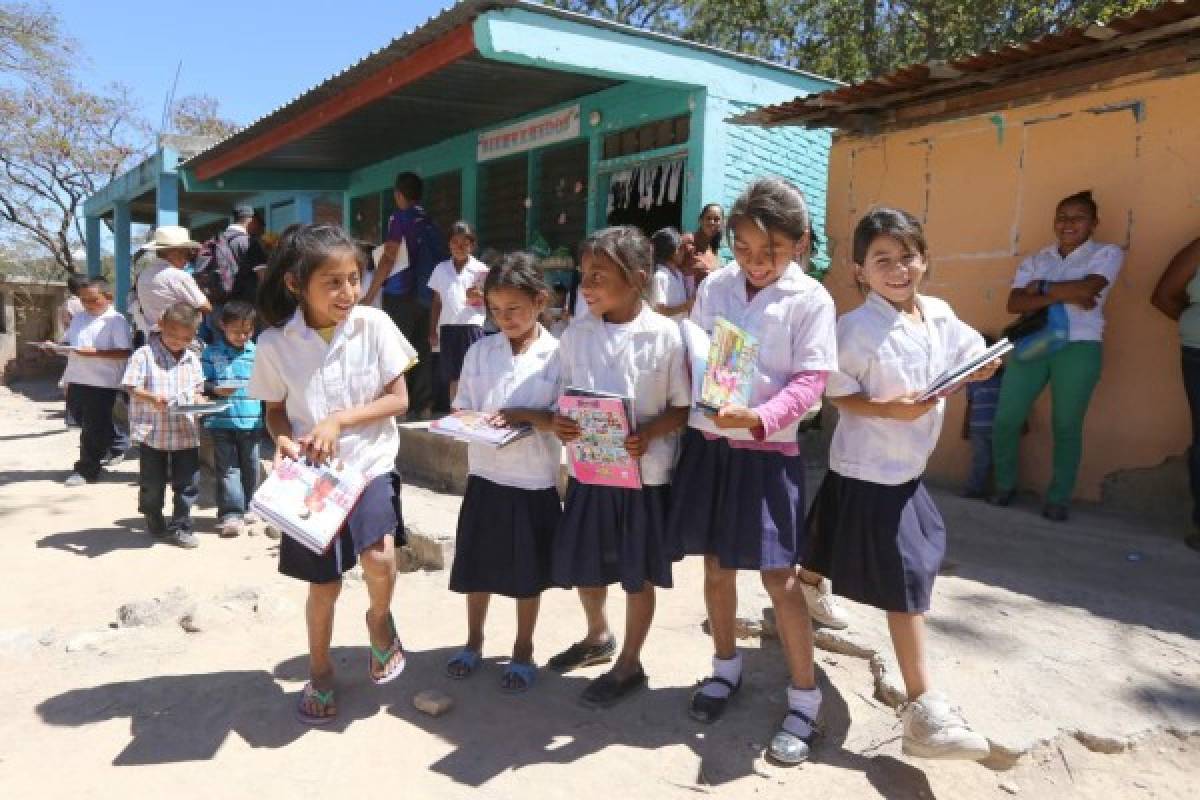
x: 457, y: 44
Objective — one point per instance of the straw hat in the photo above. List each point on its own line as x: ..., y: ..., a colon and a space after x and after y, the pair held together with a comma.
x: 170, y: 237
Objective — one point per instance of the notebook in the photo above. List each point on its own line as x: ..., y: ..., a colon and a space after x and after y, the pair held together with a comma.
x: 599, y: 456
x: 731, y: 368
x: 950, y: 380
x: 308, y: 503
x: 473, y: 427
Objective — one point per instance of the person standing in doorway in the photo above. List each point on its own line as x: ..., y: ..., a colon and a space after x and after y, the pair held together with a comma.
x: 708, y: 237
x: 406, y: 295
x: 242, y: 236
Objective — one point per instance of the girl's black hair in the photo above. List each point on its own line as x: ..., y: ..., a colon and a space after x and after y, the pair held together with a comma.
x: 75, y: 282
x: 1084, y: 199
x: 517, y: 270
x: 714, y: 244
x: 888, y: 222
x: 462, y: 228
x: 772, y: 204
x: 237, y: 311
x: 301, y: 250
x: 666, y: 242
x: 625, y: 246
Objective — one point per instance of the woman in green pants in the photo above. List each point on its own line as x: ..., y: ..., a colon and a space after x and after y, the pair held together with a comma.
x: 1078, y: 273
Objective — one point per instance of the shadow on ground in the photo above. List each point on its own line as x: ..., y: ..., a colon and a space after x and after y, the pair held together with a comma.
x: 123, y: 534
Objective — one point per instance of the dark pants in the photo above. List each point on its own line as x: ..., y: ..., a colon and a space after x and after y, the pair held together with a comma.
x: 120, y: 438
x: 1191, y: 385
x: 74, y: 415
x: 412, y: 318
x: 981, y: 461
x: 94, y: 407
x: 236, y: 456
x: 182, y: 468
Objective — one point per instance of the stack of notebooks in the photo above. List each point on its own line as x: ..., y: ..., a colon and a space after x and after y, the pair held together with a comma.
x: 475, y: 427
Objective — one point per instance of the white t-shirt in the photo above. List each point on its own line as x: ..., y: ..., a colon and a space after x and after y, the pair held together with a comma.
x: 643, y: 359
x: 313, y: 379
x: 162, y: 285
x: 669, y: 289
x: 886, y: 355
x: 1090, y: 258
x: 108, y: 331
x: 494, y: 379
x: 452, y: 285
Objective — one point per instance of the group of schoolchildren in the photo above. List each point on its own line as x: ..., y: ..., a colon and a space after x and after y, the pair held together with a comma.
x: 727, y: 486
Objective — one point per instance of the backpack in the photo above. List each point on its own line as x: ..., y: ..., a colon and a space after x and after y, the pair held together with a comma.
x: 216, y: 267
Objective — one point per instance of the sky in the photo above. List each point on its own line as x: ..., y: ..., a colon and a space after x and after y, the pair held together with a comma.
x: 253, y: 56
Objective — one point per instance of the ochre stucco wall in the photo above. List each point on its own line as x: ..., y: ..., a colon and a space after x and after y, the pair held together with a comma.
x: 986, y: 187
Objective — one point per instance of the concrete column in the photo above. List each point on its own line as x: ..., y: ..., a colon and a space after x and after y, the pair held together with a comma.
x: 121, y: 251
x: 91, y: 229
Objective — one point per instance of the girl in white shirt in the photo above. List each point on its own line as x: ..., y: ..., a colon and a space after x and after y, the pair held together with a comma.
x: 331, y: 376
x: 457, y: 315
x: 511, y: 508
x: 671, y: 297
x: 612, y: 535
x: 873, y: 528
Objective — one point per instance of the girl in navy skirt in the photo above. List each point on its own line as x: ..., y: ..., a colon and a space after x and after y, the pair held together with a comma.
x: 873, y: 529
x: 331, y: 377
x: 457, y: 315
x: 610, y: 535
x: 511, y: 506
x: 738, y: 493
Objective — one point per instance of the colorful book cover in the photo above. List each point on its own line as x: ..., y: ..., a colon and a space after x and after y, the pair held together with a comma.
x: 309, y: 504
x: 473, y: 426
x: 731, y: 369
x: 599, y: 456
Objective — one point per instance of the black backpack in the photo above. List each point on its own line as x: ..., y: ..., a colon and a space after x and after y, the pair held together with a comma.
x: 216, y: 267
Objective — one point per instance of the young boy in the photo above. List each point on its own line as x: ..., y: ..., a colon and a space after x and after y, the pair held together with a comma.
x: 982, y: 398
x: 160, y: 374
x: 228, y: 363
x: 101, y: 338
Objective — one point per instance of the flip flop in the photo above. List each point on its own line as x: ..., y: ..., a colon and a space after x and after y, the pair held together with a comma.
x: 468, y: 658
x: 383, y: 657
x: 524, y: 672
x: 324, y: 700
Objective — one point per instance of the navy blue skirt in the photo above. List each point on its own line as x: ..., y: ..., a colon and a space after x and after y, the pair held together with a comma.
x: 879, y: 545
x: 746, y: 507
x: 453, y: 343
x: 504, y: 541
x: 609, y: 535
x: 375, y: 515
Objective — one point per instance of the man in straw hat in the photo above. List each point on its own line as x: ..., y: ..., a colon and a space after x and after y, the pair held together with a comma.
x: 165, y: 282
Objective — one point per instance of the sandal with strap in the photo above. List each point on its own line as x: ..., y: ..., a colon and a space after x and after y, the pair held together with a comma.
x: 323, y: 700
x: 788, y: 749
x: 706, y: 708
x: 466, y: 658
x: 518, y: 677
x: 384, y: 657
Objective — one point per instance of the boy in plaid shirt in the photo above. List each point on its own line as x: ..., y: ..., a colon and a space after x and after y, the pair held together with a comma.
x: 162, y: 373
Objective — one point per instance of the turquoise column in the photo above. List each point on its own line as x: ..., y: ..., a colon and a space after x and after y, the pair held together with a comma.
x: 92, y: 231
x: 304, y: 209
x: 167, y: 200
x: 121, y: 251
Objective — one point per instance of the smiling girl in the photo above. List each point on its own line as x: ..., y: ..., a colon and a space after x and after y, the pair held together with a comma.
x: 331, y: 376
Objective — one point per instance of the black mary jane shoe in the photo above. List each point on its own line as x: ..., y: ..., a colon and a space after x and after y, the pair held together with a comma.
x: 608, y: 690
x: 706, y: 708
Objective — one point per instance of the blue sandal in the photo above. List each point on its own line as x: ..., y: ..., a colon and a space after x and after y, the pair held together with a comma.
x: 468, y: 659
x: 519, y: 677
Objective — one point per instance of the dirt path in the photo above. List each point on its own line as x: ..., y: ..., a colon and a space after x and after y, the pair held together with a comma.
x: 1039, y: 633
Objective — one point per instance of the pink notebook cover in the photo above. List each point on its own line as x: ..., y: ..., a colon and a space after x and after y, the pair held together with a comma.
x: 598, y: 456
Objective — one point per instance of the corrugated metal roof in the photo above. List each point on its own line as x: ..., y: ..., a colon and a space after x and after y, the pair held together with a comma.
x: 924, y: 83
x: 435, y: 27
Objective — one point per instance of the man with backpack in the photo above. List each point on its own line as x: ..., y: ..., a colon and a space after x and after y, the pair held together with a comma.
x: 225, y: 266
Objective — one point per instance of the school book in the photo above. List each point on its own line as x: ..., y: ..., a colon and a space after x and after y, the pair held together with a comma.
x: 474, y: 427
x: 731, y: 369
x: 599, y: 456
x: 953, y: 378
x: 309, y: 503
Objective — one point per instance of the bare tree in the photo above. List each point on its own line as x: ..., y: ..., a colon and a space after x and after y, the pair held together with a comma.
x: 200, y: 115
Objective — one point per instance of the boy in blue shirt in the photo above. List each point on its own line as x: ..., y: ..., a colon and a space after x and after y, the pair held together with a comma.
x: 228, y: 363
x: 982, y: 398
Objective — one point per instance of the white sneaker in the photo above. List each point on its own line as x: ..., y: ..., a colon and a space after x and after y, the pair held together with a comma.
x: 822, y: 606
x: 933, y: 729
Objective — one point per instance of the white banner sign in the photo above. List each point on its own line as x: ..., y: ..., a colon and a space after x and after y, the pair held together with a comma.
x: 558, y: 126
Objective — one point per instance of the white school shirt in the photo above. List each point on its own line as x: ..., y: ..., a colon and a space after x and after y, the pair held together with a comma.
x: 108, y: 331
x: 1090, y: 258
x: 162, y: 285
x: 885, y: 355
x: 452, y: 285
x: 313, y: 379
x: 669, y: 289
x: 795, y: 323
x: 494, y: 379
x: 643, y: 359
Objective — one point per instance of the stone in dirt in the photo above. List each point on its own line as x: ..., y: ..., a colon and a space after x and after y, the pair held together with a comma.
x: 206, y: 617
x: 158, y: 611
x: 433, y: 702
x: 1099, y: 743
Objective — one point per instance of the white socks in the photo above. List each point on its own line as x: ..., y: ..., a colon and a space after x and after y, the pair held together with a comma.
x: 730, y: 669
x: 807, y: 702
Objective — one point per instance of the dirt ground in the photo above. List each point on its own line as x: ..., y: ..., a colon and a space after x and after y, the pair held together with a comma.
x: 1074, y: 648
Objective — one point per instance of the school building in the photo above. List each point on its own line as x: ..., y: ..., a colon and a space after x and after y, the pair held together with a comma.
x: 981, y: 149
x: 537, y: 125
